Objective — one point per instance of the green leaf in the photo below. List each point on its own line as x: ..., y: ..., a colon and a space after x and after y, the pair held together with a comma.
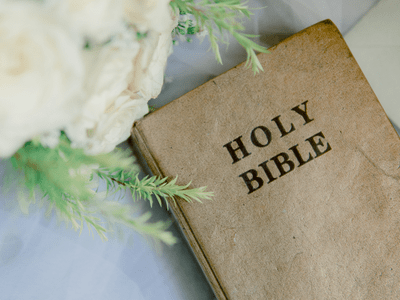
x: 221, y: 15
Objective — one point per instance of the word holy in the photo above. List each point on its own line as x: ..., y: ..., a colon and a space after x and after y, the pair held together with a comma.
x: 261, y: 137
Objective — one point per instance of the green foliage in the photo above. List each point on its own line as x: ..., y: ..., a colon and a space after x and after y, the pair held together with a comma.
x: 185, y: 26
x: 141, y: 35
x: 220, y: 16
x: 152, y: 109
x: 152, y: 186
x: 64, y: 177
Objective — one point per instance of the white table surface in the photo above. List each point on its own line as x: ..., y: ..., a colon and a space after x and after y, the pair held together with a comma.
x: 40, y: 259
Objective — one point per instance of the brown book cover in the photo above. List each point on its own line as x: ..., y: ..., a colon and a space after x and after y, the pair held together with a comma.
x: 304, y: 165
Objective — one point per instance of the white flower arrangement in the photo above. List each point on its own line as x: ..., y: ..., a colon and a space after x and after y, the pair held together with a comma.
x: 67, y: 65
x: 74, y: 76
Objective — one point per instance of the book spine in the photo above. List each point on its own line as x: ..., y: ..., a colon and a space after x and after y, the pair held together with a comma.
x: 139, y: 141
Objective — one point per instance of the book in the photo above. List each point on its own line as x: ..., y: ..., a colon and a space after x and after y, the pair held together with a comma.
x: 304, y: 165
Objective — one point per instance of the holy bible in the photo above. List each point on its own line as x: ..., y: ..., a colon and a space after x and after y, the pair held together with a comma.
x: 304, y: 165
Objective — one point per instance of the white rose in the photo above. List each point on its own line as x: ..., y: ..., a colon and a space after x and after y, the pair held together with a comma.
x: 50, y: 139
x: 97, y: 20
x: 148, y: 15
x: 122, y: 76
x: 114, y: 125
x: 149, y: 65
x: 110, y: 110
x: 41, y: 72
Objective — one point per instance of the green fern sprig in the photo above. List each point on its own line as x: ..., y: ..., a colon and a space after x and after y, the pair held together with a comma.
x: 119, y: 214
x: 222, y: 15
x: 63, y: 177
x: 154, y: 186
x: 185, y: 27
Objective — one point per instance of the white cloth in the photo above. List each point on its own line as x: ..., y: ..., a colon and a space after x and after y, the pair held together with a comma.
x: 40, y: 260
x: 375, y: 44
